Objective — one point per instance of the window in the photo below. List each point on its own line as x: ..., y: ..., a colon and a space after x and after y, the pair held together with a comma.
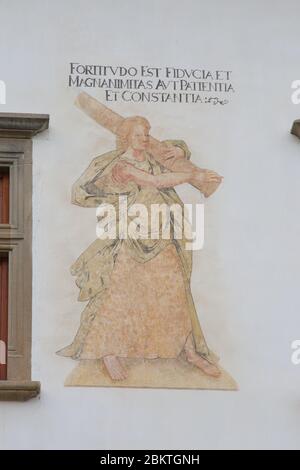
x: 16, y: 131
x: 4, y: 313
x: 4, y: 220
x: 4, y: 195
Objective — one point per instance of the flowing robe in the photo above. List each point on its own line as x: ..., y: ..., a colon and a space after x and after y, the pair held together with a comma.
x: 138, y: 290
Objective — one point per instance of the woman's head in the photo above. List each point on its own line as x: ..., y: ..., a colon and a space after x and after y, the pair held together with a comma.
x: 134, y: 133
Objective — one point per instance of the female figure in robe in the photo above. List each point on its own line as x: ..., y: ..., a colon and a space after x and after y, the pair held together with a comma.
x: 138, y: 289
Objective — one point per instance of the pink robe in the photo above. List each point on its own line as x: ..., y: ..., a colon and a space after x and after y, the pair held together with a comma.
x: 140, y: 304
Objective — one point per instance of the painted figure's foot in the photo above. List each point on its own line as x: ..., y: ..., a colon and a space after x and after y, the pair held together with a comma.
x: 115, y: 368
x: 203, y: 364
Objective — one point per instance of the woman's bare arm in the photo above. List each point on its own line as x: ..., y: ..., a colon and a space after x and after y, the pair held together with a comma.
x: 176, y: 159
x: 124, y: 172
x: 165, y: 180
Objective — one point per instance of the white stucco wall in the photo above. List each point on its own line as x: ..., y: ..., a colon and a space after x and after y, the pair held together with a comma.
x: 245, y: 282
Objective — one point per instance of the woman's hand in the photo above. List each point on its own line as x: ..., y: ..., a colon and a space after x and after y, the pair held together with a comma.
x: 207, y: 181
x: 172, y: 152
x: 202, y: 177
x: 122, y: 172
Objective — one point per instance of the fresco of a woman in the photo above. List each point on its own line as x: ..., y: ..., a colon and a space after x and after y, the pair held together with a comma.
x: 138, y: 290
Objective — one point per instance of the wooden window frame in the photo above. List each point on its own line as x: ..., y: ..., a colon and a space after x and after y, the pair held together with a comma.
x: 4, y: 259
x: 16, y: 132
x: 4, y: 194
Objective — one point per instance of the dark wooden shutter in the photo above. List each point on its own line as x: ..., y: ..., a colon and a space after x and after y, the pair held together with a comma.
x: 3, y: 313
x: 4, y: 195
x: 4, y: 219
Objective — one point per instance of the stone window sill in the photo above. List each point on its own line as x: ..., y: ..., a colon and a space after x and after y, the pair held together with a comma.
x: 19, y: 391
